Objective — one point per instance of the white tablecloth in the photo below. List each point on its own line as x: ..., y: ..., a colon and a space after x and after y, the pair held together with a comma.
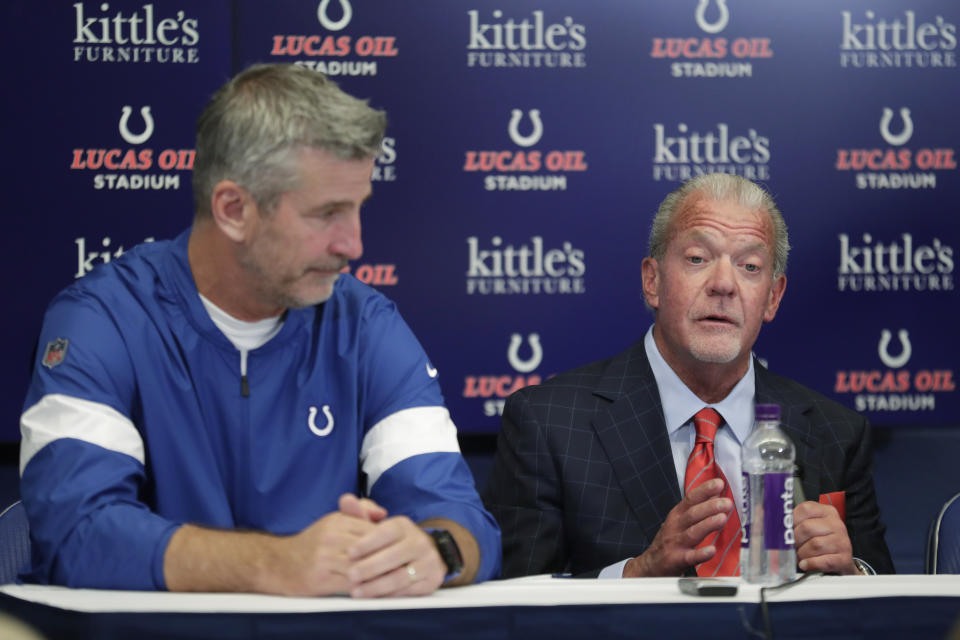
x: 529, y: 591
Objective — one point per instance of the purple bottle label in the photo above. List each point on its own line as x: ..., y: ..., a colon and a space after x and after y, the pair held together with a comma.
x: 777, y: 511
x: 745, y: 496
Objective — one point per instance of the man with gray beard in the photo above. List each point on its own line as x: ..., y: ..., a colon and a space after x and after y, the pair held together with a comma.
x: 227, y: 411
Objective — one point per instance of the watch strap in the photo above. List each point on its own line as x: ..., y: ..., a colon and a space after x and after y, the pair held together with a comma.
x: 449, y: 552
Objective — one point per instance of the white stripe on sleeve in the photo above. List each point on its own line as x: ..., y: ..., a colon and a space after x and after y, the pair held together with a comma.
x: 405, y: 434
x: 59, y: 416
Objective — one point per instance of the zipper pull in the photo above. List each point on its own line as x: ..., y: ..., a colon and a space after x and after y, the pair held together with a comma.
x: 244, y: 383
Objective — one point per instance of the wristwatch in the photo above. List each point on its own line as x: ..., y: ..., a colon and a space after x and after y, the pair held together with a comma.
x: 863, y: 567
x: 449, y: 552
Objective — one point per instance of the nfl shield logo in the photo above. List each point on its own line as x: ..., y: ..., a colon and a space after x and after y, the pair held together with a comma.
x: 55, y: 352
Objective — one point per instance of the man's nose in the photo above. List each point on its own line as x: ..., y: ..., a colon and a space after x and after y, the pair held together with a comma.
x: 347, y: 241
x: 722, y: 282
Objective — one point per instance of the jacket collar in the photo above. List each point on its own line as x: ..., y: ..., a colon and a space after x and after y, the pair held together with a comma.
x: 179, y: 286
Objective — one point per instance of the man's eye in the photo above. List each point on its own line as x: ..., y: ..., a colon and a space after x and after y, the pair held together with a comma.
x: 695, y: 259
x: 752, y: 268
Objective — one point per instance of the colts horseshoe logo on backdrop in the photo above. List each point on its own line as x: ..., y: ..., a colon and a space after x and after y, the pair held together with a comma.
x: 903, y: 136
x: 720, y: 24
x: 894, y: 362
x: 136, y: 138
x: 514, y: 128
x: 524, y: 366
x: 311, y: 421
x: 334, y: 25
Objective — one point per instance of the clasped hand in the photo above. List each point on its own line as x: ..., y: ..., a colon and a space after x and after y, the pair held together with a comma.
x: 360, y: 551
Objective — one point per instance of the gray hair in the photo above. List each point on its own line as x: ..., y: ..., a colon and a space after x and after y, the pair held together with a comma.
x: 255, y: 125
x: 720, y: 187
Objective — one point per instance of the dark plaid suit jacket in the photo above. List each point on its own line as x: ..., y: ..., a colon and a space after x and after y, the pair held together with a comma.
x: 584, y: 475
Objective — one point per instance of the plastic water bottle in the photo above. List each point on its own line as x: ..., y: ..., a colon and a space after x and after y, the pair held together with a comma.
x: 767, y: 552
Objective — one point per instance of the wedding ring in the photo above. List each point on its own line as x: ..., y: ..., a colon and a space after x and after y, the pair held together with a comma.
x: 411, y: 572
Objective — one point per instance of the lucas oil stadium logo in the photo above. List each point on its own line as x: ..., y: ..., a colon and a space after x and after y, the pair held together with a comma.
x: 896, y: 387
x: 711, y: 54
x: 135, y: 165
x: 528, y: 167
x: 525, y: 355
x: 329, y: 50
x: 899, y: 165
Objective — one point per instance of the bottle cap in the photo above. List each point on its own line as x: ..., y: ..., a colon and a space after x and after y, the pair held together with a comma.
x: 767, y: 412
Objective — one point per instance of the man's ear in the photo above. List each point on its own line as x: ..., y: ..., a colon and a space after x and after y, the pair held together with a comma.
x: 234, y: 210
x: 650, y: 276
x: 776, y: 295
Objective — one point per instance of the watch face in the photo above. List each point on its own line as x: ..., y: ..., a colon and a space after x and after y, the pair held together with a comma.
x: 449, y: 551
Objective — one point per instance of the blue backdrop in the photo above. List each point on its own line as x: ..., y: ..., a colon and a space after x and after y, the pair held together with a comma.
x: 529, y: 143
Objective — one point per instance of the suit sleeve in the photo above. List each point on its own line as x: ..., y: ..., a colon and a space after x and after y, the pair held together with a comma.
x: 524, y: 494
x: 863, y: 513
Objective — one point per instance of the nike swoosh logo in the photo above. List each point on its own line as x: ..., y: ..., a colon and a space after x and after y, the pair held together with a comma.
x: 431, y: 371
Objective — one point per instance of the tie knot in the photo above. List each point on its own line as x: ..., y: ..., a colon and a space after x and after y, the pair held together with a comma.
x: 707, y: 421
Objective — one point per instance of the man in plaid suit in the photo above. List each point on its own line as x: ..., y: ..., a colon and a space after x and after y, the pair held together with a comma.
x: 590, y: 464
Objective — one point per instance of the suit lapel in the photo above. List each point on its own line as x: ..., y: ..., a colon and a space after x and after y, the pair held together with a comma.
x: 795, y: 422
x: 634, y: 437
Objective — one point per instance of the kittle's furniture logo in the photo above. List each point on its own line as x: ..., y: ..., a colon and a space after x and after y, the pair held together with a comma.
x: 141, y: 36
x: 501, y: 41
x: 684, y: 152
x: 874, y: 41
x: 525, y: 269
x: 868, y: 264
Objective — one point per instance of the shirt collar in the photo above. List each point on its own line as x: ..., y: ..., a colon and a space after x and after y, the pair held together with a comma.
x: 244, y: 335
x: 680, y: 404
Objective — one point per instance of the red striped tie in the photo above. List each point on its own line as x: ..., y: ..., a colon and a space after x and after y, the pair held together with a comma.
x: 700, y: 468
